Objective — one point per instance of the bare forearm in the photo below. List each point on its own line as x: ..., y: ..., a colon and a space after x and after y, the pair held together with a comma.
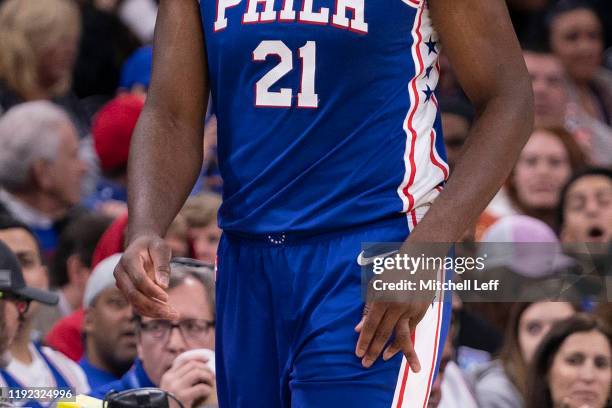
x: 166, y: 150
x: 493, y: 146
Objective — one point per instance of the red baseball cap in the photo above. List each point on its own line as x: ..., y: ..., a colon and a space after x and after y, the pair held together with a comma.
x: 112, y: 130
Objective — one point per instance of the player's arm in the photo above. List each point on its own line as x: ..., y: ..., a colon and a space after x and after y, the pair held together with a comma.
x: 479, y: 40
x: 165, y: 154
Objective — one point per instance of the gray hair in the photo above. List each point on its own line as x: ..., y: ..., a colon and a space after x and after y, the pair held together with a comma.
x: 28, y: 132
x: 182, y: 268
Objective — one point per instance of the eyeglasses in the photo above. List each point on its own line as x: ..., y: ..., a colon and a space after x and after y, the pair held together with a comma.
x: 191, y: 329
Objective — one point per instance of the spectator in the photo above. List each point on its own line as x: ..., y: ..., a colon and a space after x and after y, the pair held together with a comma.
x: 457, y: 116
x: 15, y: 298
x: 576, y: 36
x: 572, y: 366
x: 71, y: 268
x: 200, y: 211
x: 191, y: 294
x: 38, y: 46
x: 502, y: 382
x: 110, y: 333
x: 549, y: 88
x: 34, y: 366
x: 40, y: 169
x: 585, y: 210
x: 546, y: 163
x: 210, y: 177
x: 112, y: 132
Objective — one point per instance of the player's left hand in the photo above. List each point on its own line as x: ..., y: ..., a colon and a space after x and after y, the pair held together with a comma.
x: 382, y: 319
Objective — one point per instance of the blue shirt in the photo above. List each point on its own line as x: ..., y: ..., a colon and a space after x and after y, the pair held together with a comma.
x: 136, y: 377
x: 327, y: 117
x: 96, y: 376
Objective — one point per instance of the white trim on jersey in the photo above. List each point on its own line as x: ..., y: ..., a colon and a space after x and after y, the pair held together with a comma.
x: 422, y: 174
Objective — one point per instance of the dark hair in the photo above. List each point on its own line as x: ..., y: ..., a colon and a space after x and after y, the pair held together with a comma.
x: 79, y: 238
x: 567, y: 6
x: 538, y: 394
x: 512, y: 359
x: 591, y: 171
x: 8, y: 222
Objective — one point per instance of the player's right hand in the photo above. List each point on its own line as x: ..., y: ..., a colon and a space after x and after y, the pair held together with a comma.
x: 142, y: 275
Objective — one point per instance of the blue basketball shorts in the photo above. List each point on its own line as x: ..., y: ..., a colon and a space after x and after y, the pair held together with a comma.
x: 286, y: 312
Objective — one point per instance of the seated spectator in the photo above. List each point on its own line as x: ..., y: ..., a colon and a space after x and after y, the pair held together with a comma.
x: 585, y: 210
x: 110, y: 333
x: 502, y: 382
x: 190, y: 379
x: 200, y: 211
x: 70, y: 268
x: 112, y: 132
x: 572, y: 366
x: 15, y: 299
x: 40, y: 169
x: 38, y: 47
x: 549, y: 88
x: 545, y: 164
x: 576, y: 36
x: 34, y: 366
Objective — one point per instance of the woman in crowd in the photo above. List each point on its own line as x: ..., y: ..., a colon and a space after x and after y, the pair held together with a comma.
x: 38, y: 47
x: 501, y: 383
x: 546, y: 163
x: 572, y: 367
x: 576, y: 36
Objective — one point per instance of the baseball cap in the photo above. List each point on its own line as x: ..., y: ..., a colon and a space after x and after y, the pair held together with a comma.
x: 12, y: 282
x: 136, y: 69
x: 101, y: 278
x: 112, y: 130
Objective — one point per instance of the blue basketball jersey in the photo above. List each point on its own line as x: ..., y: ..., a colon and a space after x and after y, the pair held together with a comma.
x: 327, y: 113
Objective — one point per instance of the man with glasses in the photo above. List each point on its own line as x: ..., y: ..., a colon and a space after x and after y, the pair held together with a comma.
x: 159, y: 342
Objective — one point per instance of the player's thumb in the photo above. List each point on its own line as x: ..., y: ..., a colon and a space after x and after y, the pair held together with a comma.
x: 160, y: 254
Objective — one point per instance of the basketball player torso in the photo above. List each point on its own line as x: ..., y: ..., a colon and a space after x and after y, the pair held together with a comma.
x: 327, y: 116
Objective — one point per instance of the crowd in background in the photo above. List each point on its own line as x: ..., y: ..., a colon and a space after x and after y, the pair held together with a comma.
x: 73, y: 80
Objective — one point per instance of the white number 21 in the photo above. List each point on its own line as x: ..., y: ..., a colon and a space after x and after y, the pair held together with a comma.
x: 306, y: 98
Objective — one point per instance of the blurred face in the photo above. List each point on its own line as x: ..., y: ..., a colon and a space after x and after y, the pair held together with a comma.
x: 455, y: 129
x: 576, y: 37
x: 205, y: 242
x: 536, y: 321
x: 548, y: 82
x: 581, y: 375
x: 64, y: 174
x: 23, y: 245
x: 588, y: 211
x: 541, y: 171
x: 158, y: 353
x: 9, y: 324
x: 57, y: 60
x: 111, y: 330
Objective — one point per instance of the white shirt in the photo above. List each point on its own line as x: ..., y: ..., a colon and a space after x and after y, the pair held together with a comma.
x: 38, y: 373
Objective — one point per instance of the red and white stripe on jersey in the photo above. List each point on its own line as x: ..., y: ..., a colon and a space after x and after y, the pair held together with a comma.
x: 412, y: 389
x: 413, y: 3
x: 423, y: 166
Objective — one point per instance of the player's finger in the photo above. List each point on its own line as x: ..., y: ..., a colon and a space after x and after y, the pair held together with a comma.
x: 132, y: 266
x: 142, y: 304
x: 408, y: 347
x: 160, y: 254
x: 366, y: 309
x: 402, y: 335
x: 371, y: 322
x: 382, y: 335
